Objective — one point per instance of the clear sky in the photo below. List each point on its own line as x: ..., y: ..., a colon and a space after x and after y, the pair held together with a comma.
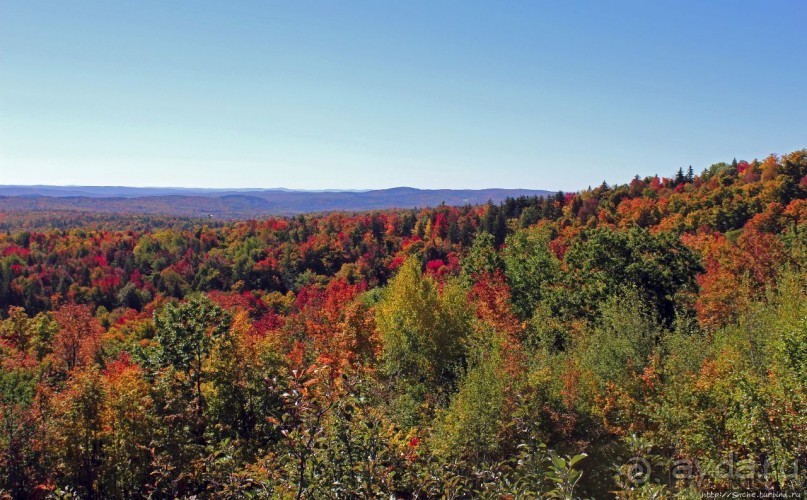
x: 344, y: 94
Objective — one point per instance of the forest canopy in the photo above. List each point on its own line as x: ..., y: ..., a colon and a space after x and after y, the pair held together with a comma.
x: 542, y: 346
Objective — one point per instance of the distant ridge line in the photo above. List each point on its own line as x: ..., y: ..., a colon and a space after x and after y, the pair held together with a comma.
x: 238, y: 204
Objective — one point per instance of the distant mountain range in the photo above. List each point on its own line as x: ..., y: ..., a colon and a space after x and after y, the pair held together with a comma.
x: 237, y: 203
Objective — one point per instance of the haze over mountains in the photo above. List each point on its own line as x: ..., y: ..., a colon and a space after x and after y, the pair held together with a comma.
x: 237, y: 203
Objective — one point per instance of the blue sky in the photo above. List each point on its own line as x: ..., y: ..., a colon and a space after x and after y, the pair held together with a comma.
x: 315, y: 95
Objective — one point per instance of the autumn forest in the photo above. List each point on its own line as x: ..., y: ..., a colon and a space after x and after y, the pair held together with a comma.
x: 640, y: 340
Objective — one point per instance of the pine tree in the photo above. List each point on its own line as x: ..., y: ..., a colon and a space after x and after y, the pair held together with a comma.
x: 679, y: 176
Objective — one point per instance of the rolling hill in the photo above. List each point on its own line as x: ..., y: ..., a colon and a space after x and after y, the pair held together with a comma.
x: 236, y: 204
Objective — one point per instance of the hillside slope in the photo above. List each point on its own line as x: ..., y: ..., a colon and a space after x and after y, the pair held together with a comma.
x: 447, y: 351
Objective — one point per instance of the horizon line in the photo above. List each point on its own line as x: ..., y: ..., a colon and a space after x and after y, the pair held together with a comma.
x: 247, y: 189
